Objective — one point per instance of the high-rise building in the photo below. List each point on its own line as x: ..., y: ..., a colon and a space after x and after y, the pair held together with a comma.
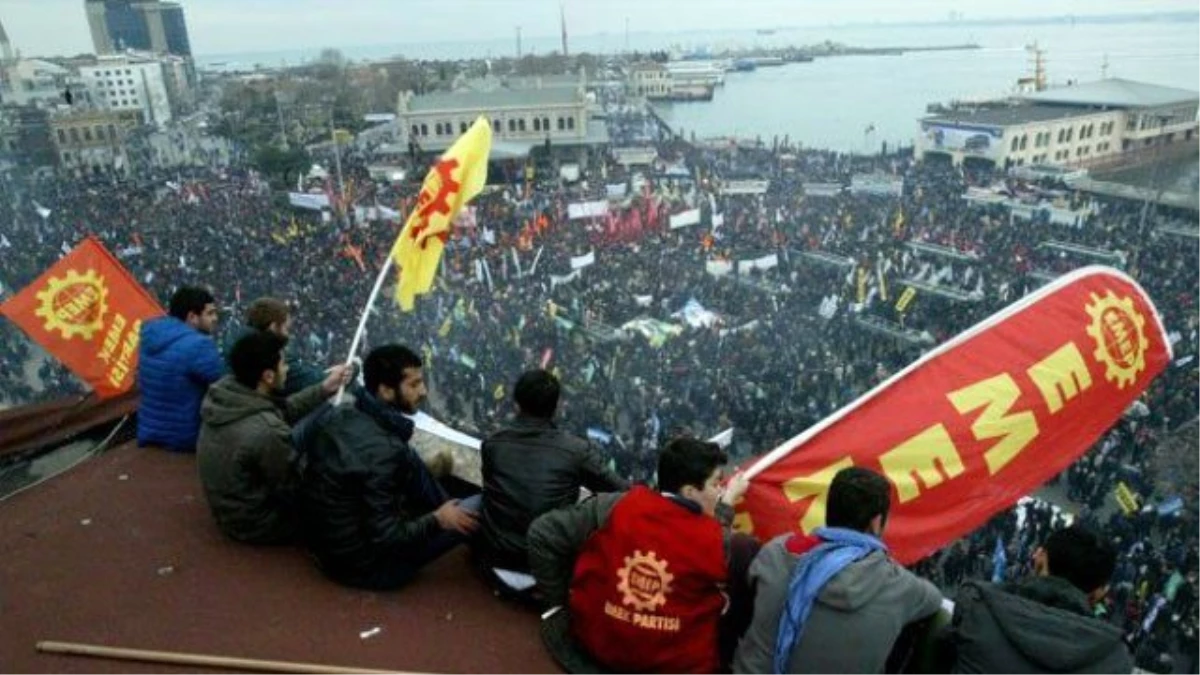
x: 134, y: 84
x: 142, y: 25
x: 6, y: 50
x: 175, y: 29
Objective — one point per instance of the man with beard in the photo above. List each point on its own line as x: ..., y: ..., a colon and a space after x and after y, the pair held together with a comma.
x: 245, y: 452
x: 177, y: 361
x: 373, y: 513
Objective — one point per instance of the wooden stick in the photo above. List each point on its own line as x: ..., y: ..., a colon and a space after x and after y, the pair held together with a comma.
x: 182, y: 658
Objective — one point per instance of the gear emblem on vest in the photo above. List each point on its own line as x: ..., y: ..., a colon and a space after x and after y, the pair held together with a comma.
x: 644, y: 581
x: 1120, y: 335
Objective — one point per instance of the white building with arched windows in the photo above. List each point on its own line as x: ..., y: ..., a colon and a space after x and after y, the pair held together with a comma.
x: 1097, y: 124
x: 522, y: 117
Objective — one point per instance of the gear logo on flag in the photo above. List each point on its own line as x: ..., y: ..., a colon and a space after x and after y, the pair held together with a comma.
x: 1120, y: 335
x: 644, y: 581
x: 435, y: 193
x: 74, y: 305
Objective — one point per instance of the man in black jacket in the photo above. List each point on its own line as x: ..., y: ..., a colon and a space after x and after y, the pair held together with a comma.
x: 1043, y: 624
x: 530, y: 468
x: 374, y: 514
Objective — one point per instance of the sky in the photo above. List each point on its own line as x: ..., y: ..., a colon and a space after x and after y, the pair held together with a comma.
x: 59, y: 27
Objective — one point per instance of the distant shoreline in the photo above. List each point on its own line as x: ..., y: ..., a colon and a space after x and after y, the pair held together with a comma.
x: 1098, y: 19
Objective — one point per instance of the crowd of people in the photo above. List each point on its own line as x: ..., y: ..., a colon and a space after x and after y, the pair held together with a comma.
x: 603, y: 303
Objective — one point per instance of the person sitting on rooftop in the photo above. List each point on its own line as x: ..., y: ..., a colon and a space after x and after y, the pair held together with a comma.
x: 648, y: 578
x: 244, y: 453
x: 373, y: 514
x: 532, y: 467
x: 833, y: 601
x: 1045, y: 623
x: 177, y: 361
x: 274, y: 316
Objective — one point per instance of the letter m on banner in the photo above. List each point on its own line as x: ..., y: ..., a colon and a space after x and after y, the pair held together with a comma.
x: 980, y: 421
x: 87, y: 311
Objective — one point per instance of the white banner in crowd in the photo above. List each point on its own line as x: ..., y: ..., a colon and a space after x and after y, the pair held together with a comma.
x: 556, y: 280
x: 718, y: 220
x: 580, y: 210
x: 581, y: 261
x: 723, y: 439
x: 305, y: 200
x: 718, y: 268
x: 616, y: 191
x: 643, y: 300
x: 388, y: 214
x: 764, y: 263
x: 745, y: 187
x: 689, y: 217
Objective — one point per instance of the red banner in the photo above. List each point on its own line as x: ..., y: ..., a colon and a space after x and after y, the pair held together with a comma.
x: 978, y: 422
x: 87, y: 311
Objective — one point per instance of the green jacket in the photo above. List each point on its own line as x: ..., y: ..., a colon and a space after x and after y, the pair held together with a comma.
x: 245, y: 459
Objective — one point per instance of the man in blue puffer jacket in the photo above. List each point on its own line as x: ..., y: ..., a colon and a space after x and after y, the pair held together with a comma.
x: 177, y: 360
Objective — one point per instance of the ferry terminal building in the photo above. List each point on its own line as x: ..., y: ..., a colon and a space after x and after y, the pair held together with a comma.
x: 1098, y: 124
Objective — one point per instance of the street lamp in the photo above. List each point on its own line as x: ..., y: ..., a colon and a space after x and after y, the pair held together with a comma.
x: 1154, y: 183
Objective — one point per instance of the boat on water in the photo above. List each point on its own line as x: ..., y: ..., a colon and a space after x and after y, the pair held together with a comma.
x: 766, y: 31
x: 744, y: 65
x: 705, y: 72
x: 121, y: 551
x: 767, y: 61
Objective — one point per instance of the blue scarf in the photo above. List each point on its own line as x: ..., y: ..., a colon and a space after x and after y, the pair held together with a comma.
x: 839, y: 548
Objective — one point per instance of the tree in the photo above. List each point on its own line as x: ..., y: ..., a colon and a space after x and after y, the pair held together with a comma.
x: 282, y: 165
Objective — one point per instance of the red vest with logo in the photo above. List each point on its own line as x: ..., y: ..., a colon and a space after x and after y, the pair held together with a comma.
x: 646, y: 595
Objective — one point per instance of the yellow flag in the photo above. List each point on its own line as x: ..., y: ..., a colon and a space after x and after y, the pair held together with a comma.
x: 458, y: 176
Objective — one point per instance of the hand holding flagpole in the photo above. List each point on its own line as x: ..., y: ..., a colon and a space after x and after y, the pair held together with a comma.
x: 455, y: 179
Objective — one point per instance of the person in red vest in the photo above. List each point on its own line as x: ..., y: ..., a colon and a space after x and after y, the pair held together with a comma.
x: 646, y: 581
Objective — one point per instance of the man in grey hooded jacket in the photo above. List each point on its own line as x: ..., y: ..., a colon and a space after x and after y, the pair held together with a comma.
x: 244, y: 452
x: 857, y: 614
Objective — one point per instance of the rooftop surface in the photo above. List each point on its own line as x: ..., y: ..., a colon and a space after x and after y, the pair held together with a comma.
x: 498, y: 98
x: 1008, y: 115
x: 1116, y: 93
x: 121, y: 551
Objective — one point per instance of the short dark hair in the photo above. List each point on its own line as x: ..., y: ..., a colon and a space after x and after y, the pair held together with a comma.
x: 190, y: 300
x: 265, y: 311
x: 253, y: 354
x: 856, y: 496
x: 537, y: 393
x: 1080, y: 556
x: 386, y: 364
x: 688, y: 461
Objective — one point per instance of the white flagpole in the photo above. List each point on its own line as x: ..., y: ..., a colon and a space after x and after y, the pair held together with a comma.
x: 536, y: 258
x: 362, y: 321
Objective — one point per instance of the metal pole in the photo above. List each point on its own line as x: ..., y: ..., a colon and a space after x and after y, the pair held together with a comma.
x: 1154, y: 184
x: 337, y: 159
x: 282, y: 131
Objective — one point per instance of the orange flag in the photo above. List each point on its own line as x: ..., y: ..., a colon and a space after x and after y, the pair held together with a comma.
x: 87, y: 311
